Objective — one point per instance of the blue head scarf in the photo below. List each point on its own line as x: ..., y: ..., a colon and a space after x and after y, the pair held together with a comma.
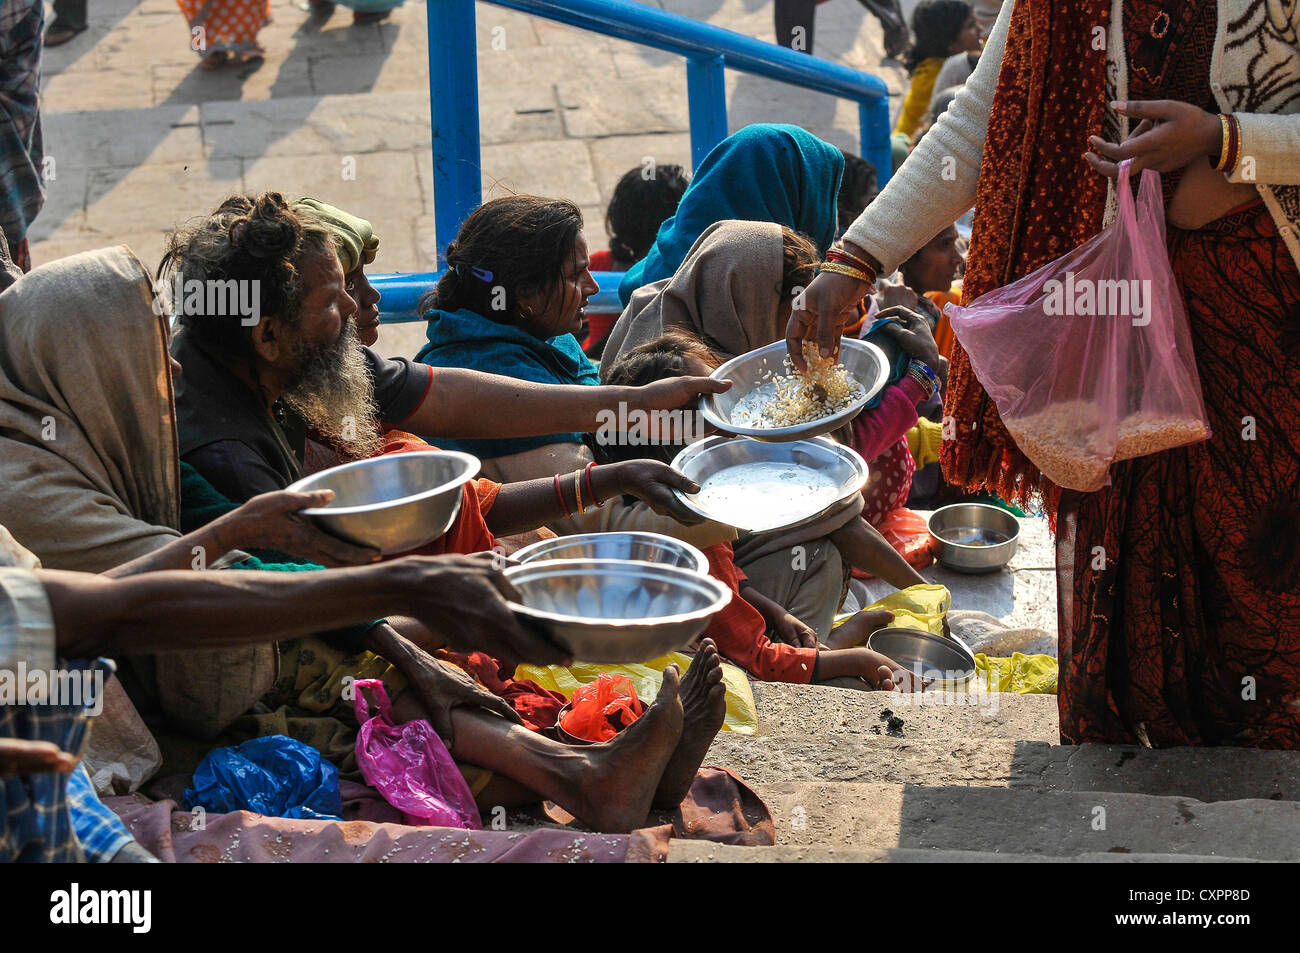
x: 762, y: 173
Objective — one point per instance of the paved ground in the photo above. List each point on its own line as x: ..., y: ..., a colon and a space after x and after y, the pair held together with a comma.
x: 141, y: 138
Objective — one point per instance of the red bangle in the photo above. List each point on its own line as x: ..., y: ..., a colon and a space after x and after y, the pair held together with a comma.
x: 1234, y: 145
x: 837, y: 255
x: 586, y: 472
x: 560, y: 496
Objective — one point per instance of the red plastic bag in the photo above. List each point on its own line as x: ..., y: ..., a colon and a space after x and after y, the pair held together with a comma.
x: 1089, y: 359
x: 601, y: 709
x: 410, y: 766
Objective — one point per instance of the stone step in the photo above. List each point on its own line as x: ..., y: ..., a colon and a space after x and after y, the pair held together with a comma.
x: 868, y: 758
x: 1206, y: 774
x: 825, y: 711
x: 814, y: 733
x: 875, y: 817
x: 703, y: 852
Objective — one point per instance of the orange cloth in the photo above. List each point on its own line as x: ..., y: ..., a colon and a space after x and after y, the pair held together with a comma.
x: 943, y: 335
x: 469, y: 533
x: 1036, y: 199
x: 740, y: 633
x: 228, y: 26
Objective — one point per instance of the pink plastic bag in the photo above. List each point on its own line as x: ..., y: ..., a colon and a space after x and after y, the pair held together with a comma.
x: 410, y: 766
x: 1089, y: 359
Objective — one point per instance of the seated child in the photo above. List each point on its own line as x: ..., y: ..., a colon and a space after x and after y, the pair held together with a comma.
x: 741, y: 629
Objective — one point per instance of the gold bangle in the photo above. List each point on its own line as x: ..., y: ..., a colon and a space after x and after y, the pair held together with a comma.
x: 1223, y: 146
x: 577, y: 491
x: 837, y: 269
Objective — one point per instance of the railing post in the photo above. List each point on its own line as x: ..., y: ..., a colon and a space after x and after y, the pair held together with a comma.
x: 453, y: 99
x: 874, y: 128
x: 706, y: 91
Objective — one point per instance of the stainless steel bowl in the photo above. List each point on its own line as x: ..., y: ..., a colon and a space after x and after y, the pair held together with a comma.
x: 932, y: 660
x: 608, y: 610
x: 396, y: 502
x: 865, y: 362
x: 636, y: 546
x: 974, y: 537
x: 758, y: 504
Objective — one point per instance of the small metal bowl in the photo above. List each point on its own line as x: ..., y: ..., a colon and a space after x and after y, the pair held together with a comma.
x: 609, y: 610
x: 394, y: 503
x: 932, y: 660
x: 974, y: 537
x: 865, y: 362
x: 566, y: 737
x: 762, y: 503
x: 636, y: 546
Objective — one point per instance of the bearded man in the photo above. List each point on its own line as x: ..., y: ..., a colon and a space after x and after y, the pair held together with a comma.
x: 276, y: 354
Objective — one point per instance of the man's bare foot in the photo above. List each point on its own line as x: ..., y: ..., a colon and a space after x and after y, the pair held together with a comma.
x: 618, y: 783
x: 704, y: 705
x: 856, y: 630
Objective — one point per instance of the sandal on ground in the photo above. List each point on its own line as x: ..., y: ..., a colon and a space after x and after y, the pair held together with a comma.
x: 58, y: 34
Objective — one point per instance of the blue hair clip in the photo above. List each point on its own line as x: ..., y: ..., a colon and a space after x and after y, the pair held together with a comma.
x: 482, y: 274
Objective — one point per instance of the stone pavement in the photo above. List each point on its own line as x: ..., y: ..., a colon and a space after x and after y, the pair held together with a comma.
x: 986, y: 782
x: 141, y: 138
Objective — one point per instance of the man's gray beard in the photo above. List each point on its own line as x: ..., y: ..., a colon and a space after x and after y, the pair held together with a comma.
x: 334, y: 394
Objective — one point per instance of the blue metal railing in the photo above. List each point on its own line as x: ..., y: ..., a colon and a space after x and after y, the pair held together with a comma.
x: 709, y: 51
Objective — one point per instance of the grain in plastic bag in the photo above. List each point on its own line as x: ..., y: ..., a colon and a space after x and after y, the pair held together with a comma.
x: 410, y: 766
x: 1089, y: 359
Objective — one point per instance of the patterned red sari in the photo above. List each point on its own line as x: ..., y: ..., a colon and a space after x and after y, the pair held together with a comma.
x: 1179, y: 584
x: 1190, y: 634
x: 225, y: 26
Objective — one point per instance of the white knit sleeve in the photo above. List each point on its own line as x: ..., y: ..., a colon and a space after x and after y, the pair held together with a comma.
x: 936, y: 185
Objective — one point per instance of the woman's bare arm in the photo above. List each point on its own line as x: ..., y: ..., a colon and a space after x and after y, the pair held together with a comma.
x: 471, y: 404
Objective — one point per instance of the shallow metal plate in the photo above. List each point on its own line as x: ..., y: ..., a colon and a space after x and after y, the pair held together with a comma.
x: 865, y: 362
x: 759, y: 487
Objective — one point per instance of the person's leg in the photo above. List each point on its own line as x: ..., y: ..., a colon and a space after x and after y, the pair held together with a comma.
x: 69, y: 20
x: 807, y: 580
x: 704, y: 706
x: 609, y: 786
x: 890, y: 15
x: 794, y: 24
x: 71, y: 13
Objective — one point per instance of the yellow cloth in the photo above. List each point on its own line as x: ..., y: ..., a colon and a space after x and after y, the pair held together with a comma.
x: 919, y: 93
x: 923, y: 441
x: 916, y: 607
x: 1022, y: 674
x: 742, y: 712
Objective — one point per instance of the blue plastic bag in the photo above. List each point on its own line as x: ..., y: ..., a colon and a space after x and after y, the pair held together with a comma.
x: 275, y: 776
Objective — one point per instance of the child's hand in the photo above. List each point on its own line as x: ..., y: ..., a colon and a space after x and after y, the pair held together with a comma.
x: 794, y: 632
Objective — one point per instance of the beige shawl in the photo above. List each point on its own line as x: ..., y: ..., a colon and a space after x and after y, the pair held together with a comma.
x: 726, y: 292
x: 88, y: 457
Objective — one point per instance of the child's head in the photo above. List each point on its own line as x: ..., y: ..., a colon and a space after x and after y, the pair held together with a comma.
x: 643, y: 199
x: 857, y: 189
x: 674, y: 353
x: 940, y: 29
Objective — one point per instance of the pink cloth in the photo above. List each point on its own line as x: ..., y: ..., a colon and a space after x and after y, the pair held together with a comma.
x: 243, y: 837
x: 879, y: 435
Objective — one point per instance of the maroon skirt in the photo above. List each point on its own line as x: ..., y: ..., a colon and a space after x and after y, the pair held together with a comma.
x: 1183, y: 628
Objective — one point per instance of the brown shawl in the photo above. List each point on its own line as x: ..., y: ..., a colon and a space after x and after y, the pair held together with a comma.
x: 727, y: 293
x: 88, y: 457
x: 1037, y: 198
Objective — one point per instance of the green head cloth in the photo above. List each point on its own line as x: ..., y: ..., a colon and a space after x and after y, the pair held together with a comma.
x: 354, y: 237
